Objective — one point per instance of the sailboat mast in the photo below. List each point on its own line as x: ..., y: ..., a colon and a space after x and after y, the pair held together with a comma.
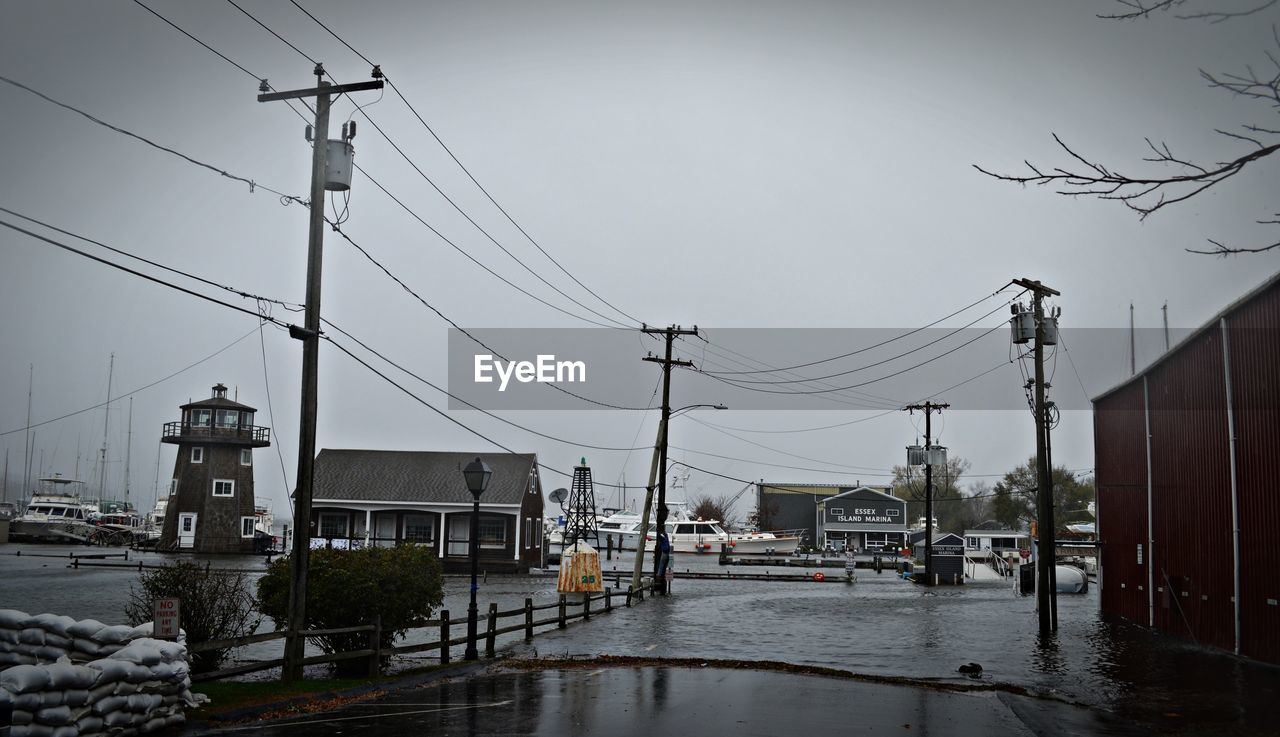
x: 26, y: 452
x: 128, y: 453
x: 106, y: 423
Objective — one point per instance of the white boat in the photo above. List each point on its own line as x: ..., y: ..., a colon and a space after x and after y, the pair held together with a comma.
x: 689, y: 535
x: 54, y: 515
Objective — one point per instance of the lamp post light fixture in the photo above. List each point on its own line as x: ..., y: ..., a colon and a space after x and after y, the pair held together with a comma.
x: 477, y: 474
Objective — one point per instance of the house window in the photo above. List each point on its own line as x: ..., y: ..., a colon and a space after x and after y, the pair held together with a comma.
x: 528, y: 532
x: 224, y: 487
x: 836, y: 511
x: 197, y: 455
x: 333, y: 525
x: 459, y: 535
x: 418, y: 528
x: 246, y: 456
x: 246, y: 527
x: 200, y: 417
x: 493, y: 532
x: 173, y: 487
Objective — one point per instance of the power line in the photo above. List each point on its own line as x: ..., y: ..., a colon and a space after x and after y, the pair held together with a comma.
x: 148, y: 277
x: 883, y: 342
x: 291, y: 306
x: 877, y: 363
x: 135, y: 391
x: 455, y: 397
x: 806, y: 429
x: 252, y: 184
x: 430, y: 181
x: 467, y: 171
x: 458, y: 327
x: 881, y: 378
x: 446, y: 415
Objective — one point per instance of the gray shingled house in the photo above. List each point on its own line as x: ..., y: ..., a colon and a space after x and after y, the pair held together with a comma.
x: 388, y: 497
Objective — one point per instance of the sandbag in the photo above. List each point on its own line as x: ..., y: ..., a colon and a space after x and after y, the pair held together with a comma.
x: 22, y: 679
x: 12, y: 619
x: 114, y: 635
x: 120, y: 719
x: 142, y: 652
x: 31, y: 702
x: 69, y: 730
x: 66, y: 676
x: 102, y: 691
x: 75, y: 697
x: 22, y: 716
x: 48, y: 653
x: 16, y: 658
x: 54, y: 716
x: 33, y: 636
x: 8, y: 636
x: 90, y: 724
x: 110, y: 705
x: 111, y: 670
x: 55, y: 623
x: 62, y: 642
x: 85, y: 628
x: 31, y: 730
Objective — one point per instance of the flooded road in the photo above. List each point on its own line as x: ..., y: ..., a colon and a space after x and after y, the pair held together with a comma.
x: 879, y: 625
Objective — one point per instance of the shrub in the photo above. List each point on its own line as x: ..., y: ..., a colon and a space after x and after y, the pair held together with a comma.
x: 215, y: 605
x: 346, y: 588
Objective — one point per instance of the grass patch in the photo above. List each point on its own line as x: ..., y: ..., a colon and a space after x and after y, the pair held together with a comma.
x: 231, y: 695
x: 226, y: 696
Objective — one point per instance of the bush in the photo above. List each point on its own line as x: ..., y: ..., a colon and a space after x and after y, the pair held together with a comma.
x: 346, y: 588
x: 215, y: 605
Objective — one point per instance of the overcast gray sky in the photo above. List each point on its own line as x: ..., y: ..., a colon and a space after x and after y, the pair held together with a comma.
x: 725, y: 164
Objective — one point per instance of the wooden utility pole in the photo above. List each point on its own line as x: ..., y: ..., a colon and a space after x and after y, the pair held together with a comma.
x: 648, y: 504
x: 928, y: 408
x: 310, y: 336
x: 1046, y: 559
x: 659, y: 582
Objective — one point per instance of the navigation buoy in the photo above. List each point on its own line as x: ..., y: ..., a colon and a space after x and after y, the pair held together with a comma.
x: 819, y: 576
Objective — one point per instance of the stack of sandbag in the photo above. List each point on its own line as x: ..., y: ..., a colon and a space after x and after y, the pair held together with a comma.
x: 43, y: 638
x: 86, y: 678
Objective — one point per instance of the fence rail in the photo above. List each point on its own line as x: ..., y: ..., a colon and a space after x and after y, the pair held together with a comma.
x: 374, y: 652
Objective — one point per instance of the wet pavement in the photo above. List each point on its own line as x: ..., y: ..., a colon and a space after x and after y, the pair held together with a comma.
x: 702, y: 702
x: 880, y: 626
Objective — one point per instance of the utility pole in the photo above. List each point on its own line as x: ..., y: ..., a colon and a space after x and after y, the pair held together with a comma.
x: 659, y: 582
x: 928, y: 408
x: 26, y: 452
x: 310, y: 336
x: 1046, y: 560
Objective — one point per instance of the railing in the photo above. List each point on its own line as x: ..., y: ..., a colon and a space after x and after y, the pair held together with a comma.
x: 249, y: 433
x: 989, y: 557
x: 526, y: 616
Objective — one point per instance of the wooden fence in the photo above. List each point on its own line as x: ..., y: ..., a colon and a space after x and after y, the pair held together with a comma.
x: 566, y: 609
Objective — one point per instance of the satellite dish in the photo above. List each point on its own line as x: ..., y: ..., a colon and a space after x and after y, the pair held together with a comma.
x: 559, y: 495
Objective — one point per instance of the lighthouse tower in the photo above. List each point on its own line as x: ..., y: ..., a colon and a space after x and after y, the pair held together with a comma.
x: 211, y: 507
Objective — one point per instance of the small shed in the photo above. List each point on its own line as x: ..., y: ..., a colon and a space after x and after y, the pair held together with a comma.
x: 947, y: 558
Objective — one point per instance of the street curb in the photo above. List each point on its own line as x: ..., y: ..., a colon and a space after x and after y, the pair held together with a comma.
x: 216, y: 722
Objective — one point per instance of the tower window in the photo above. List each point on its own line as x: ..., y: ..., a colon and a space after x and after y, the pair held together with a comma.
x: 197, y: 455
x: 246, y: 527
x: 200, y: 417
x: 224, y: 487
x: 246, y: 457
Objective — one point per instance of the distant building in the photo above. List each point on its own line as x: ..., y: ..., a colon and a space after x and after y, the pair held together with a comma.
x: 947, y: 557
x: 784, y: 506
x: 1000, y: 542
x: 864, y: 519
x: 1185, y: 457
x: 387, y: 497
x: 211, y: 505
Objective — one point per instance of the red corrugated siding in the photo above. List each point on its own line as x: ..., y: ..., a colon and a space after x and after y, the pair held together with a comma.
x: 1191, y: 494
x: 1191, y: 482
x: 1121, y: 473
x: 1255, y: 381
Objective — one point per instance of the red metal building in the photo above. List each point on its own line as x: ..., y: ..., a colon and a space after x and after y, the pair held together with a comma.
x: 1187, y: 510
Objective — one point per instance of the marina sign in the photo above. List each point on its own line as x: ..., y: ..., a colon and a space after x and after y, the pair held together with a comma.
x: 948, y: 550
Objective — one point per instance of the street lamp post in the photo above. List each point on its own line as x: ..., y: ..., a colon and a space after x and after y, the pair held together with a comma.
x: 477, y: 474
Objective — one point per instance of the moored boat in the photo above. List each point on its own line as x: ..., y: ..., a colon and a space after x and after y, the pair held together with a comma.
x: 54, y: 515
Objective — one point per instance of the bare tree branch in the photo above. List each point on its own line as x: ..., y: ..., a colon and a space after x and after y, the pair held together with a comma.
x: 1140, y: 9
x: 1217, y: 16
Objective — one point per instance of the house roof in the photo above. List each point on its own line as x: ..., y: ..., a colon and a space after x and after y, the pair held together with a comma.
x: 418, y: 476
x: 864, y: 492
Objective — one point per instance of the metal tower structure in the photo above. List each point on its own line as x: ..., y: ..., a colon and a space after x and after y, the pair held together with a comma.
x: 580, y: 522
